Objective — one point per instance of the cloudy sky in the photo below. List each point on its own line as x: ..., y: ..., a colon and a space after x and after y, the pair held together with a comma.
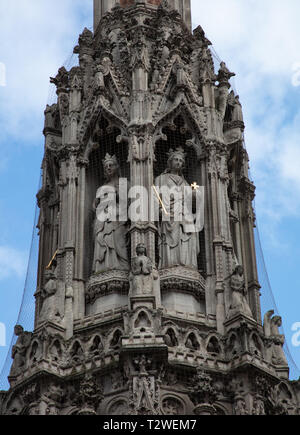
x: 258, y: 39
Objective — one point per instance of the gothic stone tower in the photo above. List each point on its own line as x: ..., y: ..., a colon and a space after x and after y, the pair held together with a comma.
x: 145, y: 316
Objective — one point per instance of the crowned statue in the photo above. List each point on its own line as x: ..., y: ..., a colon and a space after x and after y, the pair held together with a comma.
x: 110, y: 231
x: 178, y: 233
x: 49, y: 310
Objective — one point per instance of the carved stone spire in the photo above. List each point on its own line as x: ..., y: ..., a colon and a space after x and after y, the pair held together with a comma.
x: 145, y: 214
x: 103, y: 6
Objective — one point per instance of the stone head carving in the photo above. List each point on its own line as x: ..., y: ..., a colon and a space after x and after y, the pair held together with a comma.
x: 18, y: 330
x: 239, y: 270
x: 176, y: 160
x: 49, y: 274
x: 141, y: 250
x: 110, y: 166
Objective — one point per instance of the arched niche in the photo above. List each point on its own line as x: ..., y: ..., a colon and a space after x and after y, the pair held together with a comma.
x: 104, y: 140
x: 178, y: 131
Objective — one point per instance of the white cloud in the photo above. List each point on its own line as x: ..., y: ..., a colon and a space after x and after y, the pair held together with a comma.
x: 13, y: 263
x: 36, y: 38
x: 260, y: 40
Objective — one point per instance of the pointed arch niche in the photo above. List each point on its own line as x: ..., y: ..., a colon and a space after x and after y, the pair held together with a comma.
x: 183, y: 289
x: 106, y: 291
x: 103, y: 141
x: 177, y: 130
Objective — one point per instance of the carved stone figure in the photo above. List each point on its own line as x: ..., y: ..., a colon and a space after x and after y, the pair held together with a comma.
x: 239, y: 302
x: 268, y: 323
x: 237, y: 114
x: 278, y: 355
x: 110, y: 251
x: 19, y: 350
x: 276, y: 339
x: 258, y: 407
x: 125, y: 344
x: 51, y: 116
x: 179, y: 239
x: 144, y: 276
x: 240, y: 407
x: 224, y: 74
x: 62, y: 78
x: 50, y: 310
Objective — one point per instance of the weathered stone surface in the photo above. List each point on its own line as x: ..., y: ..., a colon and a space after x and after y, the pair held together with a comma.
x: 126, y: 324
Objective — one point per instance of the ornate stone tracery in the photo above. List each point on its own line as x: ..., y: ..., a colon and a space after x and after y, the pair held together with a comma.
x: 132, y: 318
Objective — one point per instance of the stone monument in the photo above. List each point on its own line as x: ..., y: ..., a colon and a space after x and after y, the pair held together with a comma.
x: 146, y: 315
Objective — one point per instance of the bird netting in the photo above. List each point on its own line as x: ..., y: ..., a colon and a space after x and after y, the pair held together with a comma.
x: 27, y: 310
x: 176, y: 137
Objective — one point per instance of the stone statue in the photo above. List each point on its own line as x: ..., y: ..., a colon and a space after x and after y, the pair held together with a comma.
x: 237, y: 114
x: 239, y: 302
x: 102, y: 70
x: 19, y: 350
x: 240, y: 407
x: 278, y: 356
x: 143, y: 275
x: 224, y: 74
x: 258, y: 407
x: 110, y: 251
x: 49, y: 310
x: 268, y: 323
x: 179, y: 239
x: 62, y: 78
x: 271, y: 330
x: 50, y: 116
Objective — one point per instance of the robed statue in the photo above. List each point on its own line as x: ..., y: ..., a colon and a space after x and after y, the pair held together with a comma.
x: 239, y: 303
x: 178, y: 234
x: 50, y: 309
x: 19, y: 350
x: 144, y: 277
x: 110, y: 252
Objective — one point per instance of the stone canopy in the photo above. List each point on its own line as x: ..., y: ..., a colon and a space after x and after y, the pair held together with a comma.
x: 103, y: 6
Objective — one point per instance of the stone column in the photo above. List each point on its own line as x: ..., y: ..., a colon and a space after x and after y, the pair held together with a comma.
x: 214, y: 199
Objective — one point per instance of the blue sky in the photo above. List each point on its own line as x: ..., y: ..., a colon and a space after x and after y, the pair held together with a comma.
x: 258, y: 39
